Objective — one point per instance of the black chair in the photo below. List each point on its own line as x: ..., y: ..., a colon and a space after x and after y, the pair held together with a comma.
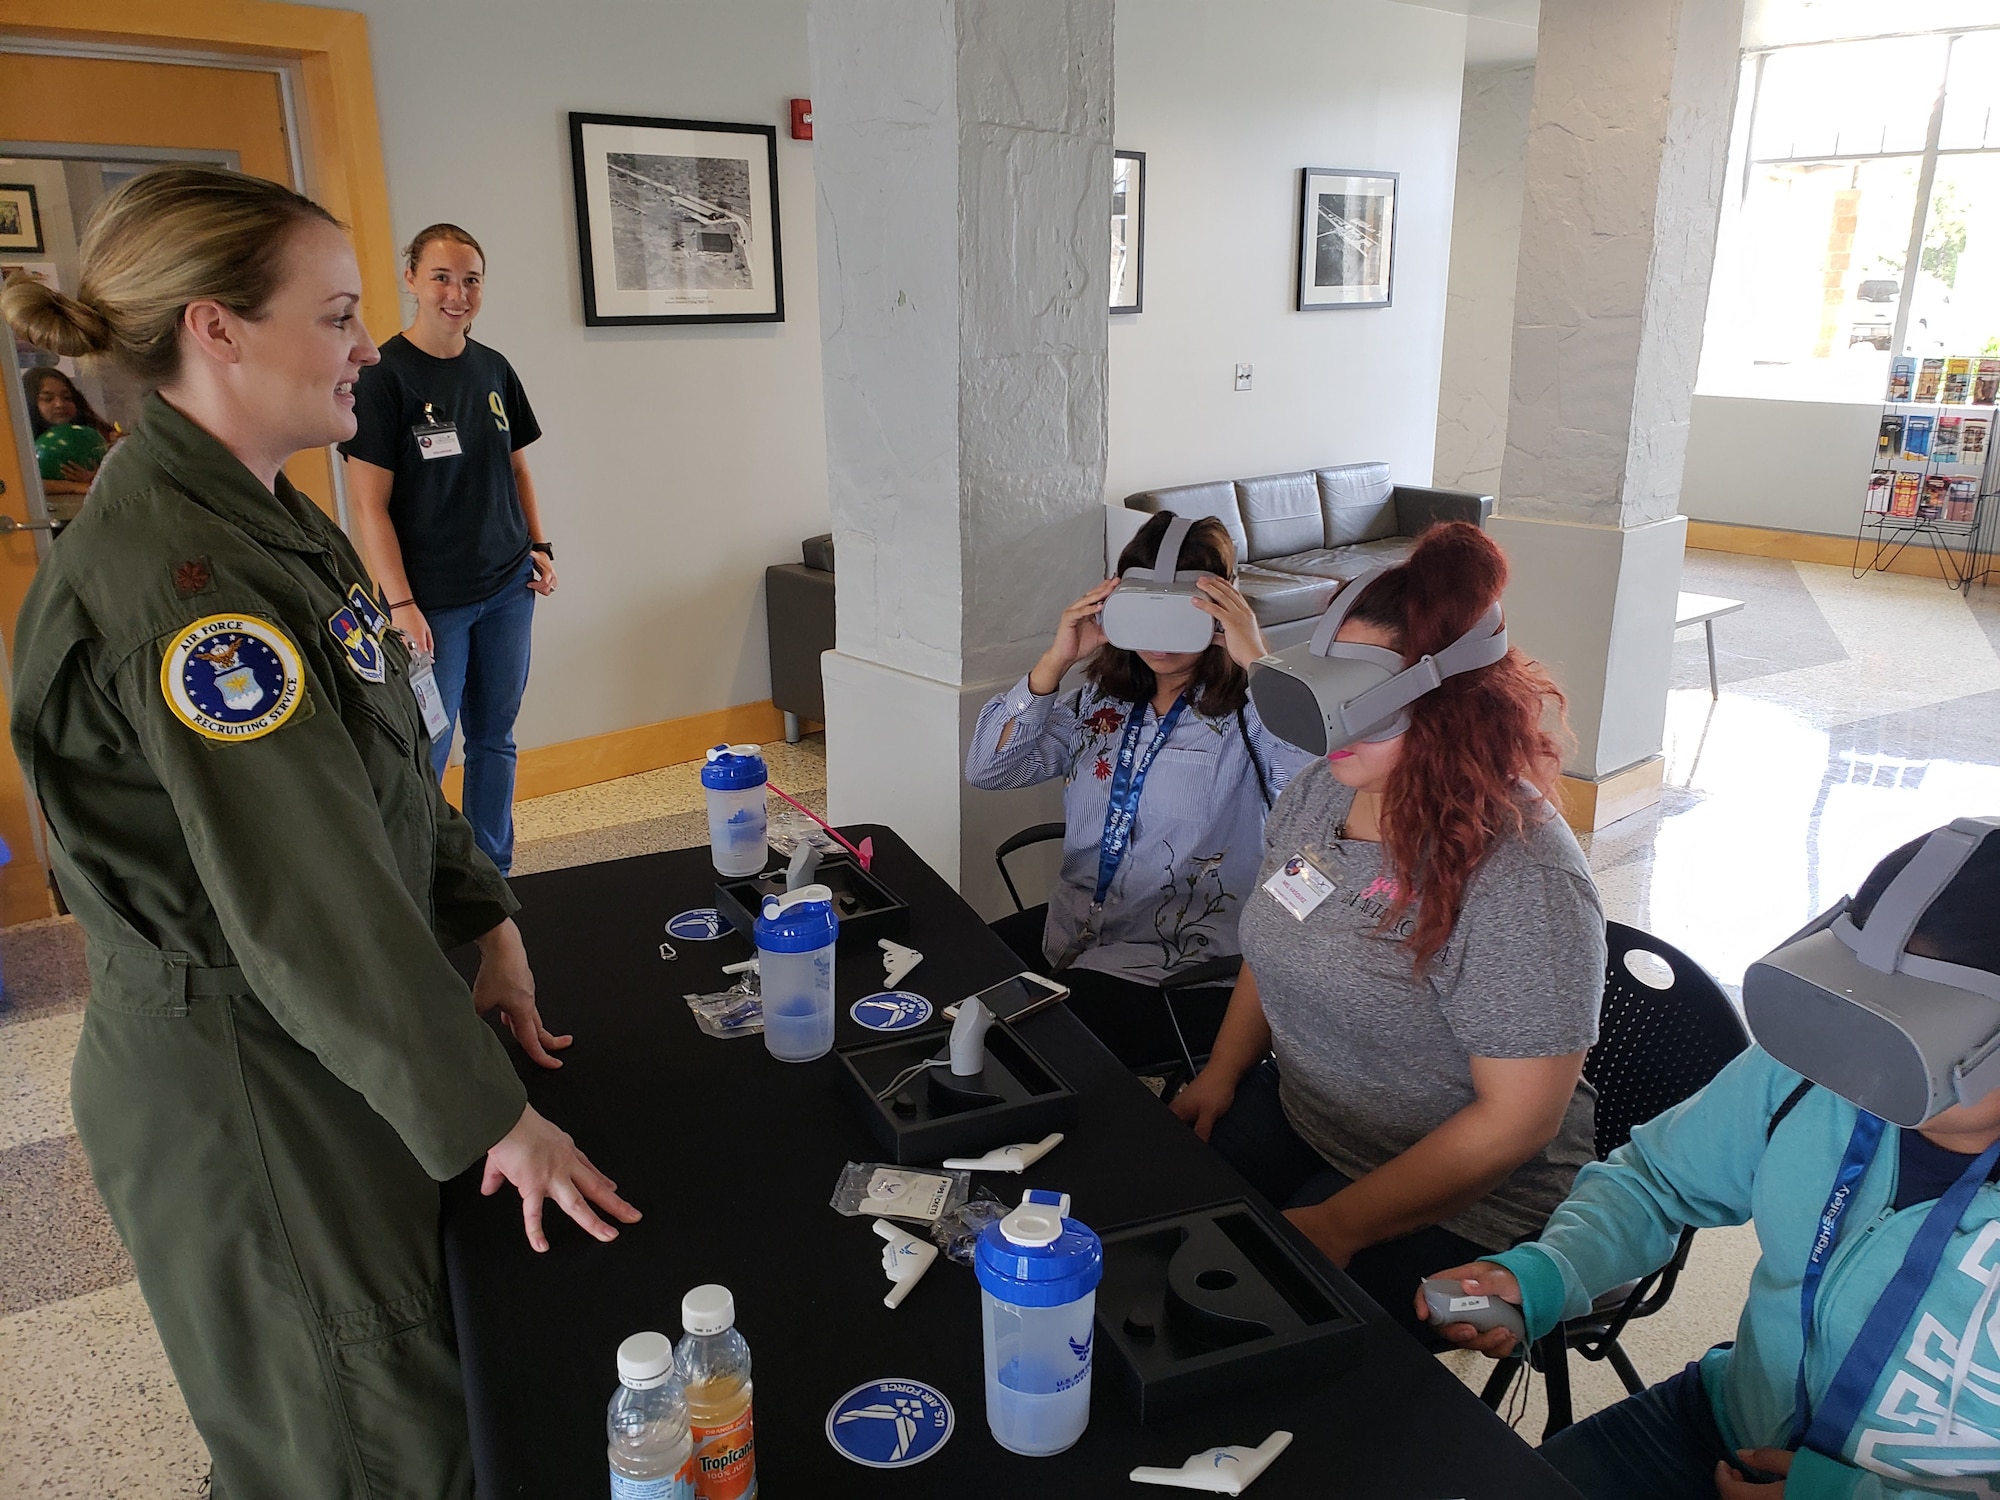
x: 1655, y: 1047
x: 1015, y: 930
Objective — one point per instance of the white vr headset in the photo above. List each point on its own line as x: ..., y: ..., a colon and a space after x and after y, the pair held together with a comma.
x: 1327, y: 694
x: 1152, y: 609
x: 1899, y: 1035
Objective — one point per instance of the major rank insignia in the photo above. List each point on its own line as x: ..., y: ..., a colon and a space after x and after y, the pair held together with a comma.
x: 367, y: 611
x: 363, y: 650
x: 232, y: 677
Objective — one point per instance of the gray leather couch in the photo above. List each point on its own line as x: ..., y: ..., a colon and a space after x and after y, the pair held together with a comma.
x: 1300, y: 536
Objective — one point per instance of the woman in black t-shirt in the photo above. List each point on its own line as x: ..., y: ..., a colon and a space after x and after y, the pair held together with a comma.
x: 445, y: 514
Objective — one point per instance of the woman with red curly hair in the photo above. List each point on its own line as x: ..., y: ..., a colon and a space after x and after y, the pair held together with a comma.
x: 1426, y: 1021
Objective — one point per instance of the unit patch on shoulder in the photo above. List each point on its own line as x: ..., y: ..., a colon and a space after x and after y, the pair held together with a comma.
x: 363, y: 651
x: 367, y: 611
x: 232, y: 677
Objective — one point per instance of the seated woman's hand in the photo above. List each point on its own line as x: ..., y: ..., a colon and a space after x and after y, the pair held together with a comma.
x: 1204, y: 1101
x: 1481, y: 1278
x: 1219, y: 599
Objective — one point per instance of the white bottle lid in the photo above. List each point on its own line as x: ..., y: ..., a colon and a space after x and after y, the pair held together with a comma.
x: 1032, y: 1226
x: 708, y: 1309
x: 645, y: 1360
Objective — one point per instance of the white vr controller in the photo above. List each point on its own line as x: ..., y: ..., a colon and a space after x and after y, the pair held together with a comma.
x: 904, y: 1260
x: 1152, y: 609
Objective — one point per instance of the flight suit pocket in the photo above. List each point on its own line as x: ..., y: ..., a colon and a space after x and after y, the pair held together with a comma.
x: 138, y: 981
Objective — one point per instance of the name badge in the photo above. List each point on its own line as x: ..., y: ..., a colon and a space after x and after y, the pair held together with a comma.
x: 1298, y: 887
x: 424, y: 685
x: 437, y: 440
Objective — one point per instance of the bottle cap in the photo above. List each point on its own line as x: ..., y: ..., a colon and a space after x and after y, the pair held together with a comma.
x: 645, y: 1360
x: 800, y: 921
x: 1038, y: 1257
x: 732, y: 768
x: 708, y: 1309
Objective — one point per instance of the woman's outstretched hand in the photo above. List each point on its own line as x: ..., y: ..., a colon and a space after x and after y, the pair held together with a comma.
x: 542, y: 1161
x: 1219, y: 599
x: 1077, y: 635
x: 1480, y: 1278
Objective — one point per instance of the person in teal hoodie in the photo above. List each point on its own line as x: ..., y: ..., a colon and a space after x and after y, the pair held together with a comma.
x: 1896, y: 1391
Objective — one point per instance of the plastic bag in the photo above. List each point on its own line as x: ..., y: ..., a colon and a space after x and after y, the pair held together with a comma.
x: 957, y: 1230
x: 787, y: 828
x: 873, y: 1189
x: 736, y: 1011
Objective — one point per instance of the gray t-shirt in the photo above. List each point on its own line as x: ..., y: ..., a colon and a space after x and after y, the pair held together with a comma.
x: 1370, y: 1058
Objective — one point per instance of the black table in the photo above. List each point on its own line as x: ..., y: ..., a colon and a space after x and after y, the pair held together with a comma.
x: 732, y: 1156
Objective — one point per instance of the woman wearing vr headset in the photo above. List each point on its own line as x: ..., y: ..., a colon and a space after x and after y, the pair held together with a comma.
x: 1424, y: 948
x: 1865, y: 1356
x: 1167, y: 775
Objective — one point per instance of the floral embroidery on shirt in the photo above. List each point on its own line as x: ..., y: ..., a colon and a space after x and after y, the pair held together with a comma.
x: 1102, y: 770
x: 1190, y: 903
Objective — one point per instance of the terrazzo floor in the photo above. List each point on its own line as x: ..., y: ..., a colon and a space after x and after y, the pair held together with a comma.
x: 1853, y: 715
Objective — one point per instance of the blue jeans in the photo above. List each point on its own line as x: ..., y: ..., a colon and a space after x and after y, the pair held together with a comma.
x: 1662, y: 1444
x: 1257, y: 1140
x: 482, y: 670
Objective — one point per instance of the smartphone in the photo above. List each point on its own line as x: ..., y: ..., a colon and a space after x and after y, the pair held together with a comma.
x: 1018, y: 998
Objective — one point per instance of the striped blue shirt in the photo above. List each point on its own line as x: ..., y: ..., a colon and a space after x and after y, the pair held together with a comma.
x: 1196, y: 842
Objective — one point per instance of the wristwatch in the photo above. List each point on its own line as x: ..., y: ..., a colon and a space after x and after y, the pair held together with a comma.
x: 547, y: 549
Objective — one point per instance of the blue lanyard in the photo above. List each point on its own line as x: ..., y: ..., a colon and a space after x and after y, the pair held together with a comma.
x: 1126, y: 784
x: 1827, y: 1430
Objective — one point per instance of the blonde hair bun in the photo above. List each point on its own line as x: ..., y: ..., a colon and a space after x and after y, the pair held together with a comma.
x: 52, y: 320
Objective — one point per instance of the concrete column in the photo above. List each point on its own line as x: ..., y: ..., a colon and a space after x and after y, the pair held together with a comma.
x: 963, y: 155
x: 1627, y: 148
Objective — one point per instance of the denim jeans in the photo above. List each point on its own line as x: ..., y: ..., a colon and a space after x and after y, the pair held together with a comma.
x: 1662, y: 1444
x: 482, y: 670
x: 1257, y: 1140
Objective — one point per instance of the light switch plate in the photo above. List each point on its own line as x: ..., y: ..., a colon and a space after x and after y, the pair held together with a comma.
x: 1242, y: 377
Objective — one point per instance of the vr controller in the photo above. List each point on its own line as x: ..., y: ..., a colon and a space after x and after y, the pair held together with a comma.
x: 1152, y: 609
x: 1445, y: 1301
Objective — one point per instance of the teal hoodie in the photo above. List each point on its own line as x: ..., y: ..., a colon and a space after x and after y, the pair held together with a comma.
x: 1932, y: 1421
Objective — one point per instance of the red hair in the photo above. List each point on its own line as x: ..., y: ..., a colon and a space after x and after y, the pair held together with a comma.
x: 1456, y: 790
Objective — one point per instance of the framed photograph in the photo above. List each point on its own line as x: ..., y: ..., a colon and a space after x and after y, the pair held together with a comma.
x: 20, y: 219
x: 1347, y: 238
x: 677, y: 221
x: 1128, y: 230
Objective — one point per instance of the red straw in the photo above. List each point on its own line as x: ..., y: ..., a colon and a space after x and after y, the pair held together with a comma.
x: 865, y: 855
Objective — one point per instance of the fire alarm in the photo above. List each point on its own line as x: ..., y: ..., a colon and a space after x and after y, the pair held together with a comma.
x: 802, y: 119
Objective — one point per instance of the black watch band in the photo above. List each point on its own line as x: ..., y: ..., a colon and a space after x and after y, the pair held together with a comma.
x: 547, y: 549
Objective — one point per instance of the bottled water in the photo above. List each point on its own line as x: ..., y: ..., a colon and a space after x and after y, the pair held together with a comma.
x: 652, y: 1456
x: 715, y: 1369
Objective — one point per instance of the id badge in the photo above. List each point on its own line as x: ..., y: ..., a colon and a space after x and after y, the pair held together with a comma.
x: 1299, y: 887
x: 437, y: 440
x: 424, y: 685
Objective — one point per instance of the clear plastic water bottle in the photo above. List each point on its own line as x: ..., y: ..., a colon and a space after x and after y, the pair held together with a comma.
x: 652, y: 1455
x: 1038, y: 1272
x: 733, y: 779
x: 795, y: 936
x: 715, y: 1370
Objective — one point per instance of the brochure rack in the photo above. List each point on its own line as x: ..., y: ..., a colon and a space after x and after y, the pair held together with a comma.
x: 1934, y: 482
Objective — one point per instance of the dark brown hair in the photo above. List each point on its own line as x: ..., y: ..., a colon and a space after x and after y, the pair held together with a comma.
x: 1472, y: 741
x: 1219, y: 687
x: 430, y: 234
x: 86, y: 414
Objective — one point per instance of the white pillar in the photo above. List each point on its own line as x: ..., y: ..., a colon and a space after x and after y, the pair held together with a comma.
x: 1627, y: 148
x: 963, y: 155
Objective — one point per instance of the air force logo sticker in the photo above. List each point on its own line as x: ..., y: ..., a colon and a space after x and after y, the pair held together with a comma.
x: 890, y: 1424
x: 232, y: 677
x: 362, y: 649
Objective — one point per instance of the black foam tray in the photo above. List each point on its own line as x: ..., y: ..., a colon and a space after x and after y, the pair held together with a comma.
x: 1023, y: 1097
x: 1197, y: 1307
x: 867, y: 908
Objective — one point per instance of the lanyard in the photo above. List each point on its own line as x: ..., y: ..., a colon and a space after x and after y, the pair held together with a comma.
x: 1875, y: 1343
x: 1126, y: 783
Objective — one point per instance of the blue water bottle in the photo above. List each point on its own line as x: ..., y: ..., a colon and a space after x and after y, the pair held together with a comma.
x: 795, y: 935
x: 1038, y: 1271
x: 734, y: 778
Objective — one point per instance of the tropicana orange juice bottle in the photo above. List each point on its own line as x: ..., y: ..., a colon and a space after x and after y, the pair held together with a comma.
x: 714, y: 1365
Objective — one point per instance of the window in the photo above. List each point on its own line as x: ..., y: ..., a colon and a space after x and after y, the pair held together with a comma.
x: 1849, y: 156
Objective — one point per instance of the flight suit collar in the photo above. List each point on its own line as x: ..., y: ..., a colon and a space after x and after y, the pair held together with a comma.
x: 215, y: 478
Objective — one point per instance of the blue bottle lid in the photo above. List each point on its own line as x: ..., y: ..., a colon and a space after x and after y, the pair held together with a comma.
x: 1037, y: 1256
x: 731, y: 768
x: 800, y: 921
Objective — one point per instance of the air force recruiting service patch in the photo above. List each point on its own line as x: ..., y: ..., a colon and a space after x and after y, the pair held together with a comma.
x: 232, y: 677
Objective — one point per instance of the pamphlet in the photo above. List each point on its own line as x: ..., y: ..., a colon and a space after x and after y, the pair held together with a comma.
x: 1961, y: 505
x: 1972, y: 436
x: 1958, y: 379
x: 1902, y: 377
x: 1937, y: 489
x: 1909, y: 487
x: 1986, y: 380
x: 1889, y: 440
x: 1930, y: 376
x: 1879, y: 485
x: 1917, y: 436
x: 1944, y: 447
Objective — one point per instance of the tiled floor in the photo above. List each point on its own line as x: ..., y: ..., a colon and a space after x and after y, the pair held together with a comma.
x: 1853, y: 715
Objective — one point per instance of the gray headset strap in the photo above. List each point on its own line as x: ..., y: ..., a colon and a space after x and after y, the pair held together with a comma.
x: 1336, y: 612
x: 1481, y: 646
x: 1898, y: 909
x: 1166, y: 562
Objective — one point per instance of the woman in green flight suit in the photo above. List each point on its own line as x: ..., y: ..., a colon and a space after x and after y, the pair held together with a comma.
x: 277, y: 1064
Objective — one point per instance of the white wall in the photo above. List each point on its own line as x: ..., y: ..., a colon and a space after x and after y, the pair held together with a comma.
x: 1229, y: 101
x: 676, y: 462
x: 1788, y: 465
x: 1479, y: 304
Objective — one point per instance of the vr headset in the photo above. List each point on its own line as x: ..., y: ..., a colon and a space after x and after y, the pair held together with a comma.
x: 1327, y: 693
x: 1152, y: 609
x: 1899, y: 1035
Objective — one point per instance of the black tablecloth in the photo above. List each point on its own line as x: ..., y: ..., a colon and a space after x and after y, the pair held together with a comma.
x: 732, y: 1156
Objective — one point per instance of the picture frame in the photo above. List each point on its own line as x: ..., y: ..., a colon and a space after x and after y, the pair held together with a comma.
x: 20, y: 219
x: 1128, y: 231
x: 676, y: 221
x: 1347, y: 238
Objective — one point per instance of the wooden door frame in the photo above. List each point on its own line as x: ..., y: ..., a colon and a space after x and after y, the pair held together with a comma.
x: 339, y: 147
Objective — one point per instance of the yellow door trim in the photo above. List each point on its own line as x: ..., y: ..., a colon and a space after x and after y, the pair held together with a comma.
x: 626, y: 752
x: 1917, y: 560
